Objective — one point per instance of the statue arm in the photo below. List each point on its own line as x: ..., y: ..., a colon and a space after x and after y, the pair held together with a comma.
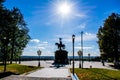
x: 57, y: 45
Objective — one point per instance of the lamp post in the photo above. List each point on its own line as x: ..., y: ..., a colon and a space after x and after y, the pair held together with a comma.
x: 79, y: 54
x: 73, y: 38
x: 89, y: 60
x: 89, y: 56
x: 82, y: 46
x: 39, y: 53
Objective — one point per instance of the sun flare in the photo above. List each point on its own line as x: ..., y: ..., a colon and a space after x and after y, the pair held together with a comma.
x: 64, y: 9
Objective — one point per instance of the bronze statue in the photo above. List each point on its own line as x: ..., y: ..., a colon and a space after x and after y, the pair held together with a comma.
x: 61, y: 55
x: 60, y: 45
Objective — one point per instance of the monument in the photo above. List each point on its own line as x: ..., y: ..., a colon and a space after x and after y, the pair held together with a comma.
x: 61, y: 55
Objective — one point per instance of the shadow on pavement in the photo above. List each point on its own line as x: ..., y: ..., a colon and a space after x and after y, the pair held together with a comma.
x: 58, y: 65
x: 115, y: 67
x: 5, y: 74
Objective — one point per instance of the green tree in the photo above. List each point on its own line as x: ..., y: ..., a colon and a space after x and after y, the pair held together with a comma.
x: 109, y: 37
x: 13, y: 33
x: 5, y: 19
x: 19, y: 33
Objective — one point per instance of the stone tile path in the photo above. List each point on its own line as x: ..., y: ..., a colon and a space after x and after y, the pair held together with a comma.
x: 50, y: 72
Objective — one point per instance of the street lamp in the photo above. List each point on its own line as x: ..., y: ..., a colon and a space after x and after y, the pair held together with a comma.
x: 39, y: 53
x: 82, y: 46
x: 89, y: 60
x: 79, y: 54
x: 89, y: 56
x: 73, y: 38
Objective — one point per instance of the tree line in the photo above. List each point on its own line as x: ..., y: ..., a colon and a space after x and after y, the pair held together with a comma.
x: 13, y: 33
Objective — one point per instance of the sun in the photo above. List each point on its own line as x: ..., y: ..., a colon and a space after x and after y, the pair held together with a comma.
x: 64, y: 9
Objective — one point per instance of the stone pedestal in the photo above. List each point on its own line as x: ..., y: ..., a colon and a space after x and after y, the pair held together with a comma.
x: 61, y: 57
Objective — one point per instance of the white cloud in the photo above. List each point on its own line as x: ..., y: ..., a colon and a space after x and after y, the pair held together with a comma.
x: 64, y: 37
x: 35, y: 40
x: 90, y: 37
x: 41, y: 47
x: 80, y: 15
x: 45, y: 42
x: 68, y: 38
x: 86, y: 48
x: 82, y: 26
x: 46, y: 48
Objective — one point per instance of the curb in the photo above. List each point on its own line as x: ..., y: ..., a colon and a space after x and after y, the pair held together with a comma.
x: 69, y: 72
x: 74, y: 77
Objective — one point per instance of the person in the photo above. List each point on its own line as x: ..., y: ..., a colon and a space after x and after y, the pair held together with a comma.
x: 70, y: 61
x: 103, y: 62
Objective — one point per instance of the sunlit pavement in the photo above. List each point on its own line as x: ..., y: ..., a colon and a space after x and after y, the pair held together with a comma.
x: 92, y: 64
x: 86, y: 64
x: 51, y: 72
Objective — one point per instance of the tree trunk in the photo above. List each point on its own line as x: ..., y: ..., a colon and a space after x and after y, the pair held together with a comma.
x: 12, y: 49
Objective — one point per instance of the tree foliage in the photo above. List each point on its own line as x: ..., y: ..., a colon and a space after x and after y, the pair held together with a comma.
x: 109, y: 37
x: 13, y: 32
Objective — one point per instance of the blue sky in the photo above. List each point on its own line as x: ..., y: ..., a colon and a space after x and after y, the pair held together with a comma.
x: 47, y: 25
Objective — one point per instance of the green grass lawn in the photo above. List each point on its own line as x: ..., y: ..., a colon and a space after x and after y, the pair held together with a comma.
x: 15, y: 69
x: 97, y: 74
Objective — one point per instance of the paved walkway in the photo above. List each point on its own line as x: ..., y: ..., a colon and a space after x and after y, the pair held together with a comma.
x: 50, y: 72
x: 86, y: 64
x: 53, y: 73
x: 94, y: 64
